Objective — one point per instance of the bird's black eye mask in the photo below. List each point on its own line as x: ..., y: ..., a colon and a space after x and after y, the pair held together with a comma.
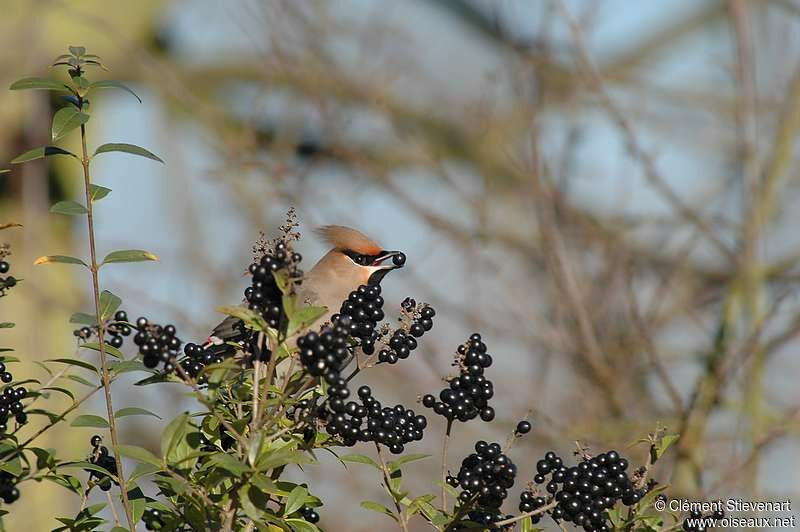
x: 363, y: 260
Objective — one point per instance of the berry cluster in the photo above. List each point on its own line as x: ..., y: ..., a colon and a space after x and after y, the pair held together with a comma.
x: 584, y: 492
x: 469, y: 393
x: 157, y: 344
x: 326, y: 353
x: 485, y: 478
x: 370, y: 421
x: 364, y: 306
x: 116, y: 330
x: 11, y: 401
x: 9, y: 281
x: 198, y: 358
x: 8, y: 489
x: 100, y: 457
x: 418, y: 319
x: 696, y: 525
x: 263, y: 294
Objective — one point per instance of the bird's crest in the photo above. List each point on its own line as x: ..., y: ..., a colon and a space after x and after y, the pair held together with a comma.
x: 342, y: 237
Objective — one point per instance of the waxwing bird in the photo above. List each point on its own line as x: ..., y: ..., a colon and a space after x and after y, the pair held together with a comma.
x: 354, y: 260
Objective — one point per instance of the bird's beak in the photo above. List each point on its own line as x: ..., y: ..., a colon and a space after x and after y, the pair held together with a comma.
x: 398, y: 260
x: 379, y: 269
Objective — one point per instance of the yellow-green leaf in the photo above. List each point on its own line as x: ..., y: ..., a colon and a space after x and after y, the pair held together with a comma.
x: 38, y: 153
x: 37, y: 83
x: 130, y: 255
x: 108, y: 349
x: 139, y: 454
x: 63, y: 259
x: 134, y: 411
x: 127, y: 148
x: 89, y: 420
x: 110, y: 83
x: 96, y: 192
x: 68, y: 207
x: 109, y: 303
x: 65, y: 120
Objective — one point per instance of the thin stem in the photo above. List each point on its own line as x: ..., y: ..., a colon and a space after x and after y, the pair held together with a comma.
x: 520, y: 517
x: 445, y: 445
x: 255, y: 414
x: 387, y: 482
x: 113, y: 508
x: 112, y: 426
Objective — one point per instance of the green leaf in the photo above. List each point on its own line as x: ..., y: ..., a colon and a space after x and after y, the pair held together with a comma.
x: 377, y: 507
x: 125, y: 366
x: 303, y: 318
x: 68, y: 207
x: 74, y: 362
x: 250, y: 318
x: 250, y: 508
x: 254, y: 446
x: 87, y: 466
x: 142, y: 469
x: 109, y: 349
x: 82, y: 84
x: 111, y: 83
x: 89, y: 420
x: 83, y: 318
x: 60, y: 390
x: 63, y: 259
x: 139, y: 454
x: 434, y: 516
x: 96, y: 192
x: 360, y: 459
x: 13, y: 466
x: 615, y: 517
x: 282, y: 280
x: 6, y: 325
x: 301, y: 525
x: 229, y: 463
x: 663, y: 444
x: 134, y: 411
x: 80, y: 380
x: 127, y: 148
x: 109, y: 303
x: 174, y: 432
x: 129, y: 255
x: 65, y: 120
x: 394, y: 465
x: 121, y: 529
x: 77, y: 51
x: 39, y: 153
x: 37, y: 83
x: 295, y: 500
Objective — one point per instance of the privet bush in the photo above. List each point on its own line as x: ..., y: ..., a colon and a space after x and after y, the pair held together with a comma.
x: 276, y: 388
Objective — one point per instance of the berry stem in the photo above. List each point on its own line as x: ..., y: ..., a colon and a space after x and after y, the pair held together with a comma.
x: 388, y: 484
x: 113, y: 509
x: 254, y: 415
x: 112, y: 426
x: 546, y: 508
x: 445, y: 445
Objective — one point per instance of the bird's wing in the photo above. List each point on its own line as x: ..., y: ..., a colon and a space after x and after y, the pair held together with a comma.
x: 227, y: 330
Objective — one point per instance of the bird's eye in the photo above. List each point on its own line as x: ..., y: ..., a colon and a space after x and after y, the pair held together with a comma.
x: 363, y: 260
